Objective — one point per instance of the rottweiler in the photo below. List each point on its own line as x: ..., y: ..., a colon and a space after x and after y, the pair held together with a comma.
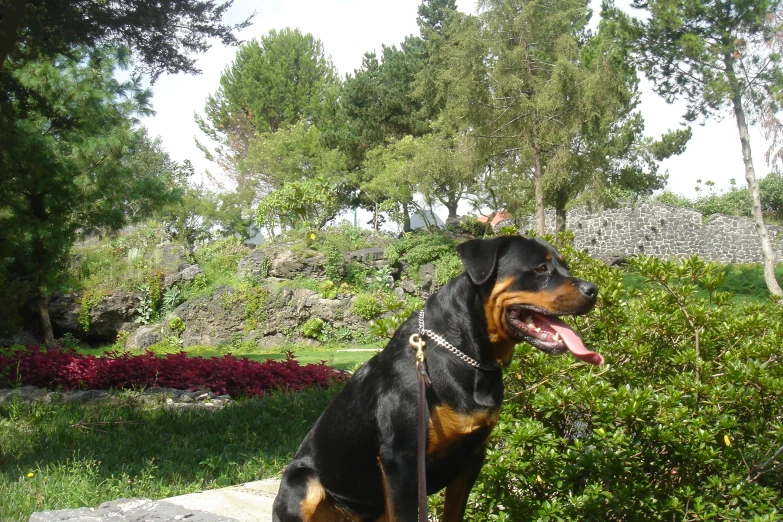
x: 358, y: 463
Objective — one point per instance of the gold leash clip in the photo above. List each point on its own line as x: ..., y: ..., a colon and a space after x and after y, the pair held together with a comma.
x: 417, y: 342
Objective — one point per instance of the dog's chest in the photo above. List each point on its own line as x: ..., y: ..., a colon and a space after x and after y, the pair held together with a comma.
x: 449, y: 428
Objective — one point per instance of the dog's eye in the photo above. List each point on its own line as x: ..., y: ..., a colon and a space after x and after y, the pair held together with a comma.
x: 542, y: 269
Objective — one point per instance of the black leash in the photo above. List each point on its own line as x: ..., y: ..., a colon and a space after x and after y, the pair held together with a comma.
x: 421, y: 459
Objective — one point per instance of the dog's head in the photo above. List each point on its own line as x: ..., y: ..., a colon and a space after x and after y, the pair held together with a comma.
x: 526, y: 286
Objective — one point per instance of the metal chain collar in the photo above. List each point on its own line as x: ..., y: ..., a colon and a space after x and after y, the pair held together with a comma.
x: 450, y: 347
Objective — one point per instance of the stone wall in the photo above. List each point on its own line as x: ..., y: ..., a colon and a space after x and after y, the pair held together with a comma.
x: 664, y: 231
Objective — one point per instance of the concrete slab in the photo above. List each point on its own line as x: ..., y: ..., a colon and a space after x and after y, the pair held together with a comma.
x: 250, y: 502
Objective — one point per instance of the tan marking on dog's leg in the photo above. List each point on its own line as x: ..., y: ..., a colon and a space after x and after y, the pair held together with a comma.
x: 315, y: 507
x: 313, y: 498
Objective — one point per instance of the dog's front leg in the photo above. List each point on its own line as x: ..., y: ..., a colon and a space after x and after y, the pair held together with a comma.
x: 400, y: 484
x: 457, y: 492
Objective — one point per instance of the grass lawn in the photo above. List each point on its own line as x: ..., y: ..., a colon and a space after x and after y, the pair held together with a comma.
x: 342, y: 357
x: 46, y: 463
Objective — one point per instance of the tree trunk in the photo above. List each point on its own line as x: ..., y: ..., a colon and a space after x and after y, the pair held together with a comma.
x: 560, y: 213
x: 406, y: 220
x: 537, y: 177
x: 9, y: 26
x: 452, y: 208
x: 46, y: 323
x: 753, y: 185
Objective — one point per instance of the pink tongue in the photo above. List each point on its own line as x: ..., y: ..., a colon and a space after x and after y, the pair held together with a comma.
x: 571, y: 339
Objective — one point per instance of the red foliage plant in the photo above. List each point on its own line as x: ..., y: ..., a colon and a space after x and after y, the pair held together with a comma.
x: 238, y: 377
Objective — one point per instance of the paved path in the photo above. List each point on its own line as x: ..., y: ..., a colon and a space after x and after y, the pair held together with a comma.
x: 251, y: 502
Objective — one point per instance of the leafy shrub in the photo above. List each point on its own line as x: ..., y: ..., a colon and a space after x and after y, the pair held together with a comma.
x: 356, y: 274
x: 447, y: 268
x: 334, y: 262
x: 683, y: 423
x: 223, y: 375
x: 177, y: 325
x: 748, y: 280
x: 144, y: 308
x: 470, y: 225
x: 366, y: 306
x: 222, y: 255
x: 384, y: 327
x: 90, y: 299
x: 508, y: 230
x: 122, y: 338
x: 313, y: 328
x: 69, y: 341
x: 419, y: 248
x: 327, y: 290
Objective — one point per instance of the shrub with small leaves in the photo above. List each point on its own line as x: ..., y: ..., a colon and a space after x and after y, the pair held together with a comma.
x: 327, y: 290
x: 420, y: 248
x: 88, y: 302
x: 313, y: 328
x: 447, y: 268
x: 683, y: 423
x: 68, y: 340
x: 366, y: 306
x: 177, y: 325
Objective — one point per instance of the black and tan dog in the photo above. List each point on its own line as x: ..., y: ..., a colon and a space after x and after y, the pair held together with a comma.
x: 358, y: 463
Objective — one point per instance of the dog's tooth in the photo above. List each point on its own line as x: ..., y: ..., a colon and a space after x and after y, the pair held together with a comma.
x: 557, y: 337
x: 538, y: 329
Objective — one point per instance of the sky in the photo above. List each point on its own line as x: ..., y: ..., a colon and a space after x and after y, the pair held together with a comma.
x: 350, y: 28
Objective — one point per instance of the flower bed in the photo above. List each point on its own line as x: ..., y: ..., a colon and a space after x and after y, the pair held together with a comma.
x: 238, y: 377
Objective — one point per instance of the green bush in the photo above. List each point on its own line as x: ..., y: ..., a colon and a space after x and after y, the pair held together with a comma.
x: 366, y: 306
x: 748, y: 280
x: 177, y: 325
x: 420, y: 248
x: 313, y: 328
x: 327, y: 290
x: 384, y: 327
x: 683, y: 423
x: 89, y: 300
x: 447, y: 268
x: 222, y: 255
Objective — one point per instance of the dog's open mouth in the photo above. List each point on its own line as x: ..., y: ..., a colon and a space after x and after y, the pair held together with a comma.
x: 549, y: 334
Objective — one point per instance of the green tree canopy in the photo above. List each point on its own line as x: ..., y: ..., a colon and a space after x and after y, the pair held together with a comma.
x: 161, y: 34
x: 716, y: 56
x: 278, y: 80
x: 68, y: 172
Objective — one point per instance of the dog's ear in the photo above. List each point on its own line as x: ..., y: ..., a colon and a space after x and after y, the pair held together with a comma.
x: 480, y: 257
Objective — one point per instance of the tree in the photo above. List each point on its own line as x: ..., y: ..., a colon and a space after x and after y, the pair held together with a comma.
x: 66, y: 172
x: 308, y: 204
x: 533, y: 46
x: 608, y: 159
x: 376, y: 102
x: 293, y: 153
x: 161, y: 34
x: 391, y: 179
x: 277, y: 81
x: 716, y: 56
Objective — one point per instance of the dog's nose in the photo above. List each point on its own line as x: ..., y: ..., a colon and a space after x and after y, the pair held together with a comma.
x: 588, y: 289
